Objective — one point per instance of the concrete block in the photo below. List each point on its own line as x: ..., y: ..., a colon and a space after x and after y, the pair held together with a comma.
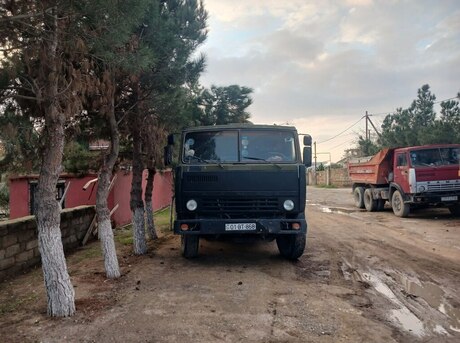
x: 12, y: 250
x: 6, y: 263
x: 24, y: 256
x: 32, y: 244
x: 9, y: 241
x: 25, y: 235
x: 31, y: 224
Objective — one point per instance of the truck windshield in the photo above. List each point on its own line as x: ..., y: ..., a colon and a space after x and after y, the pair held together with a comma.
x: 435, y: 157
x: 254, y: 146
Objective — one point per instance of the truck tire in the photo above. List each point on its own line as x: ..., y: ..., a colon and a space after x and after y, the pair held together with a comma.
x: 358, y: 195
x: 291, y: 246
x: 369, y: 202
x: 189, y: 245
x: 400, y: 208
x: 380, y: 204
x: 455, y: 210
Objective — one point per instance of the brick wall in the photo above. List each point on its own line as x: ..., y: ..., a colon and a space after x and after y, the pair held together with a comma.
x: 19, y: 242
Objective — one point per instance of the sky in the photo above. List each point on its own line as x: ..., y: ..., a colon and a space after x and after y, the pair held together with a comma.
x: 320, y: 65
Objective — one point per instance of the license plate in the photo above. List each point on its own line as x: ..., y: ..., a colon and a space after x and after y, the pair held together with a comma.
x: 452, y: 198
x: 240, y: 227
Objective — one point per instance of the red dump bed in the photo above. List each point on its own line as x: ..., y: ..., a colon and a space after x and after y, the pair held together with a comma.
x: 375, y: 171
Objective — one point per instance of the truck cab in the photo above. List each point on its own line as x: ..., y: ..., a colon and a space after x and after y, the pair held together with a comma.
x: 242, y: 181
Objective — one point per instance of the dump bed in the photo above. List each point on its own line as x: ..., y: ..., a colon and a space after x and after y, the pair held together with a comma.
x: 375, y: 171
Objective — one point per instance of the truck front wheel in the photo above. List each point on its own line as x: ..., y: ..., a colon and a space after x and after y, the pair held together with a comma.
x: 400, y: 208
x: 358, y: 195
x: 189, y: 245
x: 369, y: 202
x: 291, y: 246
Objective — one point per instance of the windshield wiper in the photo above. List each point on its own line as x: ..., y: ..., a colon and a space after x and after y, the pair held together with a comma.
x: 254, y: 158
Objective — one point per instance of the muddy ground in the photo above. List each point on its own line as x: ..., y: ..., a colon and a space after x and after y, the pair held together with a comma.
x: 365, y: 277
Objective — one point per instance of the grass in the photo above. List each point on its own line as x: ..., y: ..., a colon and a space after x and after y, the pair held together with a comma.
x: 326, y: 186
x: 161, y: 218
x: 15, y: 303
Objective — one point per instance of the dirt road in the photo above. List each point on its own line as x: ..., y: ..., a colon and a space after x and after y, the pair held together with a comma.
x: 365, y: 277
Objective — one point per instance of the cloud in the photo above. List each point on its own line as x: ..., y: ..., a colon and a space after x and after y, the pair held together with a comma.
x: 323, y: 64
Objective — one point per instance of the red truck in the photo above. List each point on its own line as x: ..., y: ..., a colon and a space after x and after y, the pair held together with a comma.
x: 418, y: 176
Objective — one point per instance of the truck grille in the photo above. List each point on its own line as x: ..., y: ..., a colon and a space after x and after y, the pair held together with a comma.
x: 444, y: 187
x: 237, y: 205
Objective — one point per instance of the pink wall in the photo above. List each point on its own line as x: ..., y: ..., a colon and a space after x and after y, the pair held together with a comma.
x: 76, y: 196
x: 19, y: 198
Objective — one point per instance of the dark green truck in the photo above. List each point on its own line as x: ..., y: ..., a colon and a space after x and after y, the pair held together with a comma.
x: 241, y: 181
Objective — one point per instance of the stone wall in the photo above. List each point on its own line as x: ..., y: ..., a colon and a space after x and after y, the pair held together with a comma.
x: 336, y: 176
x: 19, y: 242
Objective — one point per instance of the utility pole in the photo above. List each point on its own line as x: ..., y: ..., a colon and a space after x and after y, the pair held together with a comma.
x: 314, y: 150
x: 367, y: 130
x: 368, y: 133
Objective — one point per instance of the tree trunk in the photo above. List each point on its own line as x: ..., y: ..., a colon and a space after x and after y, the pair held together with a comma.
x: 136, y: 203
x: 59, y: 290
x: 103, y: 214
x: 149, y: 205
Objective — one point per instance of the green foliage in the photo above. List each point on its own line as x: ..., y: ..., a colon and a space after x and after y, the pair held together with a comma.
x: 78, y: 159
x: 225, y: 105
x: 367, y: 147
x: 418, y: 124
x: 4, y: 197
x: 320, y: 167
x: 19, y: 140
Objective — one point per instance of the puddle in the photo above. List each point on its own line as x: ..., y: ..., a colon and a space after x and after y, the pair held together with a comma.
x: 435, y: 297
x: 406, y: 319
x: 339, y: 210
x: 431, y: 293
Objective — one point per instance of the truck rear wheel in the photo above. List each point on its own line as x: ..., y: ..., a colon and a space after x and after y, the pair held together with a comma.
x: 369, y: 202
x: 358, y: 195
x: 291, y: 246
x: 189, y: 245
x: 400, y: 208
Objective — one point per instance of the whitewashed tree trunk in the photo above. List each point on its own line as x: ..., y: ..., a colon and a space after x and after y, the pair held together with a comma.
x: 103, y: 187
x: 59, y: 290
x: 140, y: 244
x: 109, y: 252
x: 136, y: 201
x: 152, y: 232
x: 149, y: 204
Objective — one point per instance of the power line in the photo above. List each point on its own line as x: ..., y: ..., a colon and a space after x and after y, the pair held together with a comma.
x: 341, y: 144
x: 389, y: 112
x: 337, y: 135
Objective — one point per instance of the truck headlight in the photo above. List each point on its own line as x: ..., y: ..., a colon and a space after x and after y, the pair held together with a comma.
x: 191, y: 205
x: 421, y: 189
x: 288, y: 205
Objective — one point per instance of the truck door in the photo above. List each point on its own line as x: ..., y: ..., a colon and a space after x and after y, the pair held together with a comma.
x: 401, y: 171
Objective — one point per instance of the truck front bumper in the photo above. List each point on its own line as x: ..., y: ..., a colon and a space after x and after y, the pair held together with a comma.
x: 272, y: 226
x: 447, y: 199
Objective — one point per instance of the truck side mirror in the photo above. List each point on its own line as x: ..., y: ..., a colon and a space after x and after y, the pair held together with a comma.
x: 168, y: 155
x: 307, y: 140
x: 307, y: 156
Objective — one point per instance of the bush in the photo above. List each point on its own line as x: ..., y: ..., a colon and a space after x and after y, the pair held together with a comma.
x: 4, y: 198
